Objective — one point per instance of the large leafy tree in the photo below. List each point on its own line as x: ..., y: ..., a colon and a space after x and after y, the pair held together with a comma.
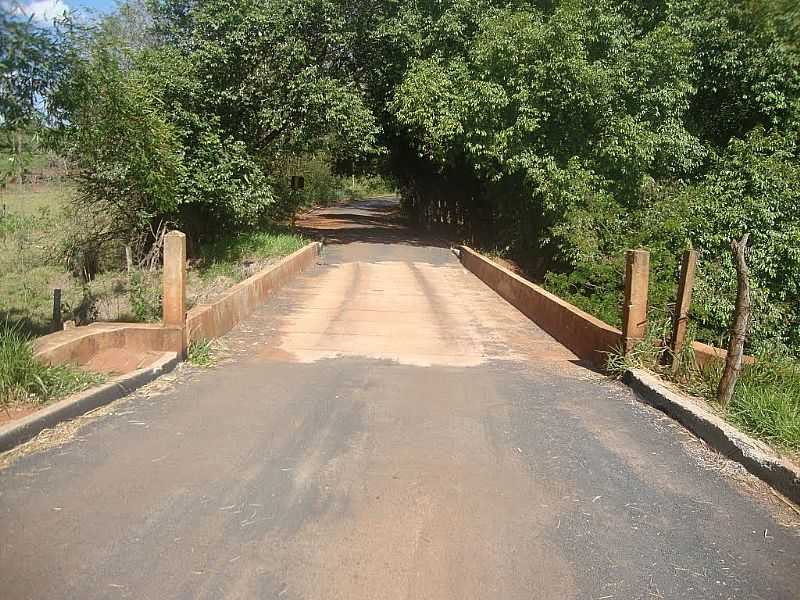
x: 568, y: 130
x: 218, y: 95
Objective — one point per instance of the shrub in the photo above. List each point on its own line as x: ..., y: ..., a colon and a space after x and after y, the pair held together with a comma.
x: 145, y: 296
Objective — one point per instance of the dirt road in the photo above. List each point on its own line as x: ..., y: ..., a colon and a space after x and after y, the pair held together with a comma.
x: 386, y: 427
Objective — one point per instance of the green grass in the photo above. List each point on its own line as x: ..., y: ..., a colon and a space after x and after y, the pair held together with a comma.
x: 227, y: 258
x: 30, y: 234
x: 23, y: 379
x: 29, y: 229
x: 251, y: 245
x: 200, y: 353
x: 32, y: 200
x: 766, y: 400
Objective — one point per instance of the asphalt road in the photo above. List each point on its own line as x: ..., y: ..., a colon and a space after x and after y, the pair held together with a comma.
x: 386, y: 427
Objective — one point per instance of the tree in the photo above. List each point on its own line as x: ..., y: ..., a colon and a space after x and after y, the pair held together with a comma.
x: 29, y: 67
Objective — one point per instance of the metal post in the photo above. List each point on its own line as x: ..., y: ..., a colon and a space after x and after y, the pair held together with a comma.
x: 57, y: 323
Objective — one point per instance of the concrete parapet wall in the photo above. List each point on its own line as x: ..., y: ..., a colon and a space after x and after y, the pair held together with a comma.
x: 705, y: 355
x: 79, y: 345
x: 586, y: 336
x: 208, y: 321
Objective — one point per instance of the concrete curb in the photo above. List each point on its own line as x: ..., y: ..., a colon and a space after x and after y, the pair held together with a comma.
x: 28, y: 427
x: 756, y: 457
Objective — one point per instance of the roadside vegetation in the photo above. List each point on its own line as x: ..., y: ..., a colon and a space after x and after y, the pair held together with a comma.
x: 201, y: 353
x: 24, y: 380
x: 766, y: 400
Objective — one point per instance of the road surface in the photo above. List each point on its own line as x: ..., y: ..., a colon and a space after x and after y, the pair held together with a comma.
x: 386, y: 427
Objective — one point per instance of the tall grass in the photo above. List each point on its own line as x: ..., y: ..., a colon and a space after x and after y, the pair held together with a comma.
x: 25, y: 379
x: 227, y: 257
x: 767, y: 401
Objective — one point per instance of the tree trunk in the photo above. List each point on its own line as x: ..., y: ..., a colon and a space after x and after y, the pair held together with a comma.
x: 741, y: 319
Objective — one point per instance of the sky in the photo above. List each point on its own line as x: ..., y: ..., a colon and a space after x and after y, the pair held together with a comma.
x: 47, y: 10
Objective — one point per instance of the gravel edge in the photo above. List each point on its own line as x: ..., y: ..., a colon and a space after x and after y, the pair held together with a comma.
x: 756, y: 457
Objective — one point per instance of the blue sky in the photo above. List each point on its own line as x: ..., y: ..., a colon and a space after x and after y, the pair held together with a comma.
x: 46, y: 10
x: 103, y: 5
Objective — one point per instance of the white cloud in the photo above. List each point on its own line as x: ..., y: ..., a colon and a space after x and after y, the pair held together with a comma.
x: 45, y: 10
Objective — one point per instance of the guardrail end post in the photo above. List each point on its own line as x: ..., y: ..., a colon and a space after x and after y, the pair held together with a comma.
x: 174, y: 284
x: 634, y: 314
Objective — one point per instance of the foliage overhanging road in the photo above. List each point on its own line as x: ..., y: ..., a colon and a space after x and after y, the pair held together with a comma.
x: 387, y: 427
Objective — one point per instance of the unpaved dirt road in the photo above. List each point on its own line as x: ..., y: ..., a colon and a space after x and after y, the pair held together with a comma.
x: 386, y: 427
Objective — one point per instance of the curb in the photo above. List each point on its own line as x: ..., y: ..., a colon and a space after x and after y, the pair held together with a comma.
x: 28, y: 427
x: 756, y: 457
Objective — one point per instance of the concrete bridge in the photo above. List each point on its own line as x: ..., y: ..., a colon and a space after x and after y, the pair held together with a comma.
x: 387, y: 427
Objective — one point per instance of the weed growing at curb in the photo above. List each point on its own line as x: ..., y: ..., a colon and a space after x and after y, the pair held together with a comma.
x: 201, y: 353
x: 23, y: 379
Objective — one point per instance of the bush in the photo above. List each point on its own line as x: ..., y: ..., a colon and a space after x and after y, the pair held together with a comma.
x: 144, y: 293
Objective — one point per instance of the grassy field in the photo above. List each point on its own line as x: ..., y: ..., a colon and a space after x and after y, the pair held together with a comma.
x: 29, y: 237
x: 32, y: 228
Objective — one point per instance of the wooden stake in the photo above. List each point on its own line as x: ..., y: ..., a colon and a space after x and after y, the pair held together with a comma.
x: 682, y: 304
x: 57, y: 324
x: 741, y: 320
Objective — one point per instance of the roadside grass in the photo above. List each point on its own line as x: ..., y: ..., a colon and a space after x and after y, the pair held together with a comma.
x: 766, y: 400
x: 200, y: 353
x: 232, y: 259
x: 222, y: 256
x: 25, y: 380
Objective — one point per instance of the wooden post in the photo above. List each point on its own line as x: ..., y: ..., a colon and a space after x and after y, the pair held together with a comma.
x: 57, y: 324
x: 634, y: 312
x: 174, y: 282
x: 682, y: 303
x: 741, y: 321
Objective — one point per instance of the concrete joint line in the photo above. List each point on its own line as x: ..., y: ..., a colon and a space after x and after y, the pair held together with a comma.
x: 756, y: 457
x: 78, y: 404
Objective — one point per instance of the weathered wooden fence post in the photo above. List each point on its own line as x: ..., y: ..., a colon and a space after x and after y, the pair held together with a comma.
x: 741, y: 321
x: 682, y: 303
x: 174, y: 283
x: 634, y: 313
